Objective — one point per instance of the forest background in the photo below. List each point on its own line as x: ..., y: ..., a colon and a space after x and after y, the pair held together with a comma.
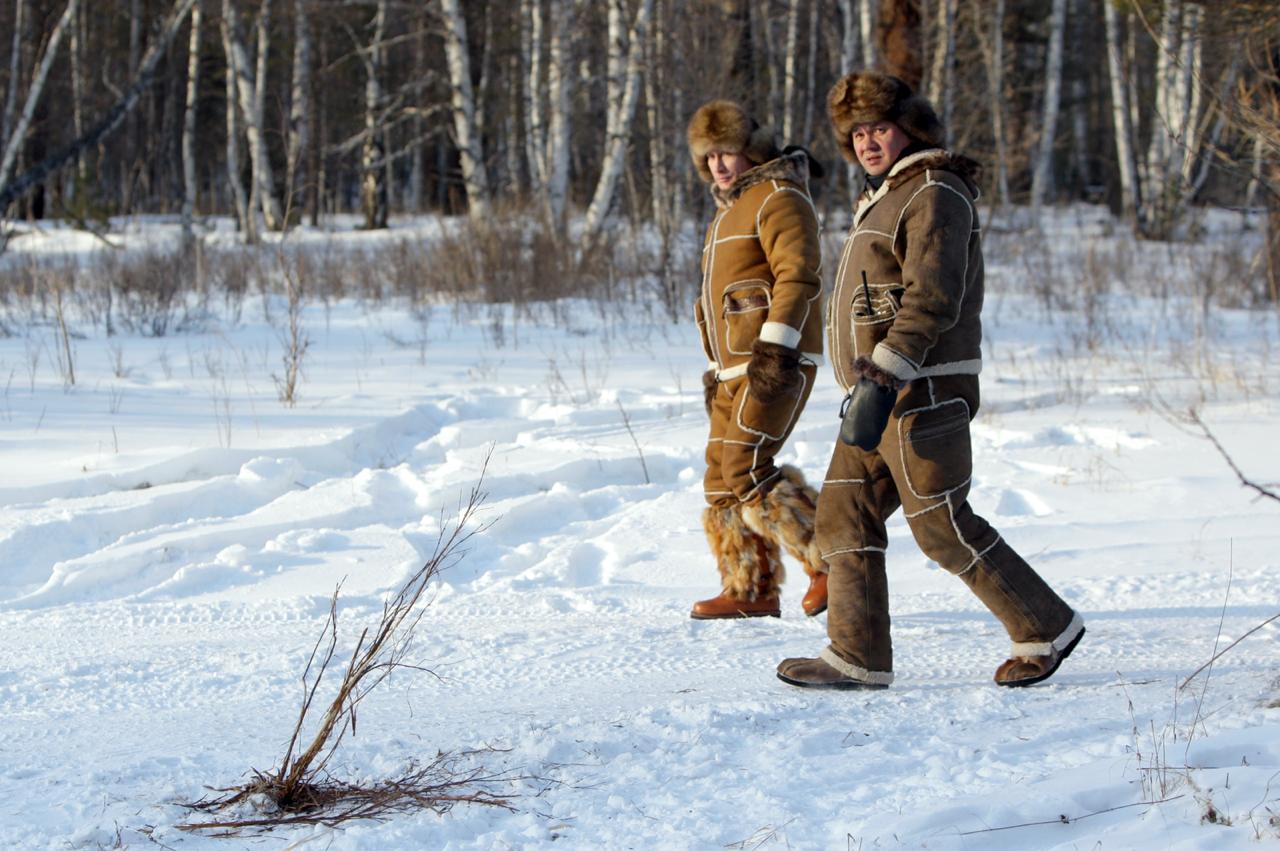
x: 542, y: 112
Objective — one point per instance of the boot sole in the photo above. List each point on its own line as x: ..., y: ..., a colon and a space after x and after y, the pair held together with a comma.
x: 735, y: 616
x: 1066, y: 651
x: 838, y: 685
x: 814, y: 613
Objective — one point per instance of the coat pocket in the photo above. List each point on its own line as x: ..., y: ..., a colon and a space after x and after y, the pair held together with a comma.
x: 937, y: 454
x: 746, y: 306
x: 771, y: 421
x: 876, y: 303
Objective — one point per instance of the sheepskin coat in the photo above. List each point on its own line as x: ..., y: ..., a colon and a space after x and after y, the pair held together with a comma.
x: 916, y: 239
x: 761, y: 268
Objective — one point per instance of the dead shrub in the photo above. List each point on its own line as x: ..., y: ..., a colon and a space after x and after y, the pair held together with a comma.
x: 301, y: 790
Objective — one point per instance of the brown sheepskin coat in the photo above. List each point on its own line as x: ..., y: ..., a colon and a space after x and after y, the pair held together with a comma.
x: 917, y: 241
x: 761, y: 268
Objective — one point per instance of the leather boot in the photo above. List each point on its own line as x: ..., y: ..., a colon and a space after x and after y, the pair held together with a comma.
x: 1032, y: 663
x: 815, y: 599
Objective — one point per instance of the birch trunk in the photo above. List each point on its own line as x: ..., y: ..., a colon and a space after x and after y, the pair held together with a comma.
x: 624, y: 85
x: 994, y: 51
x: 77, y: 95
x: 560, y: 85
x: 1121, y: 118
x: 532, y: 23
x: 475, y: 177
x: 300, y: 111
x: 940, y: 85
x: 811, y: 96
x: 19, y: 135
x: 1042, y: 177
x: 248, y: 220
x: 15, y: 69
x: 250, y: 88
x: 790, y: 62
x: 373, y: 186
x: 851, y: 52
x: 869, y: 13
x: 189, y: 129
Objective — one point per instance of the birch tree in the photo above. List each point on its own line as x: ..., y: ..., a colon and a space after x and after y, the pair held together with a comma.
x: 993, y: 50
x: 1121, y: 117
x: 251, y: 93
x: 475, y: 176
x: 1042, y: 176
x: 189, y: 129
x: 247, y: 218
x: 15, y: 72
x: 623, y: 85
x: 790, y: 73
x: 944, y: 58
x: 18, y: 136
x: 300, y: 108
x: 373, y: 186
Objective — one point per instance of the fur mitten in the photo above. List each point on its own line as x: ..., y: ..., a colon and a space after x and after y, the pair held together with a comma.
x: 709, y: 384
x: 774, y: 372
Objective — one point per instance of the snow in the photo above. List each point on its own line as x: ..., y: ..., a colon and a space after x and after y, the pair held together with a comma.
x: 170, y: 535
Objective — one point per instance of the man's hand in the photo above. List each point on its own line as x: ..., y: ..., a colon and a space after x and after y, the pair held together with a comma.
x: 867, y: 408
x: 774, y: 372
x: 709, y: 385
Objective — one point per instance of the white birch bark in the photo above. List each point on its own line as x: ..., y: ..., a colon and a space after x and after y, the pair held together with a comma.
x: 248, y: 220
x: 625, y: 81
x: 19, y: 135
x: 300, y: 107
x: 15, y: 69
x: 532, y: 19
x: 940, y: 84
x: 189, y: 128
x: 560, y: 86
x: 475, y: 176
x: 1042, y: 177
x: 790, y: 73
x: 373, y: 193
x: 1121, y: 117
x: 250, y: 88
x: 870, y: 11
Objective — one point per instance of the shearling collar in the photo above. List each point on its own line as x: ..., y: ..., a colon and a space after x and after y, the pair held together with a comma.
x: 793, y: 167
x: 935, y: 158
x: 916, y: 164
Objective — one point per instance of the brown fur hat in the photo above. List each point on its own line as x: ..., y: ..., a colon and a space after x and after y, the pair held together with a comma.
x: 722, y: 125
x: 865, y: 96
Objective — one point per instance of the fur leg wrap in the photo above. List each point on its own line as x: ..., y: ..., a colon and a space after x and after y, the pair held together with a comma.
x: 750, y: 565
x: 785, y: 515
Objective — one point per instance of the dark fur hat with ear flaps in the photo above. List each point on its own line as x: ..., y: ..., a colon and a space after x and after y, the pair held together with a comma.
x: 722, y: 125
x: 866, y: 96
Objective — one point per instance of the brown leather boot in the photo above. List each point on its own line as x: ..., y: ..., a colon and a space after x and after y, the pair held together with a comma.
x: 750, y: 569
x: 815, y: 599
x: 724, y: 606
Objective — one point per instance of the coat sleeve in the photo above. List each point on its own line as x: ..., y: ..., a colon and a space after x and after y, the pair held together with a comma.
x: 932, y: 244
x: 788, y: 228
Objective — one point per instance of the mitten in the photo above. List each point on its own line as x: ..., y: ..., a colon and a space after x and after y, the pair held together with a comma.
x: 868, y: 406
x: 774, y: 372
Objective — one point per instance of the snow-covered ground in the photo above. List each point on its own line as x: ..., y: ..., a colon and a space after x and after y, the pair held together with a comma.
x: 170, y: 535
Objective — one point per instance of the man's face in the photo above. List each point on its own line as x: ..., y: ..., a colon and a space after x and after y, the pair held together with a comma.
x: 877, y: 144
x: 725, y: 168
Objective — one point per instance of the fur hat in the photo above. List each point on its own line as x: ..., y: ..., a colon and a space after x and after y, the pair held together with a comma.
x: 866, y: 96
x: 722, y: 125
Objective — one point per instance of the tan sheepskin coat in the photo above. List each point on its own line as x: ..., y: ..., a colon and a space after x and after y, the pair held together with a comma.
x: 761, y: 268
x: 917, y: 240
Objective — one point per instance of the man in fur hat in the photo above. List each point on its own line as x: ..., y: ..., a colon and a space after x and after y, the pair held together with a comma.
x: 905, y: 338
x: 759, y: 315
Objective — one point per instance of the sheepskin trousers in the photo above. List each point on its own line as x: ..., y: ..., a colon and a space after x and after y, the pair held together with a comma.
x: 923, y: 465
x: 757, y: 509
x: 745, y: 436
